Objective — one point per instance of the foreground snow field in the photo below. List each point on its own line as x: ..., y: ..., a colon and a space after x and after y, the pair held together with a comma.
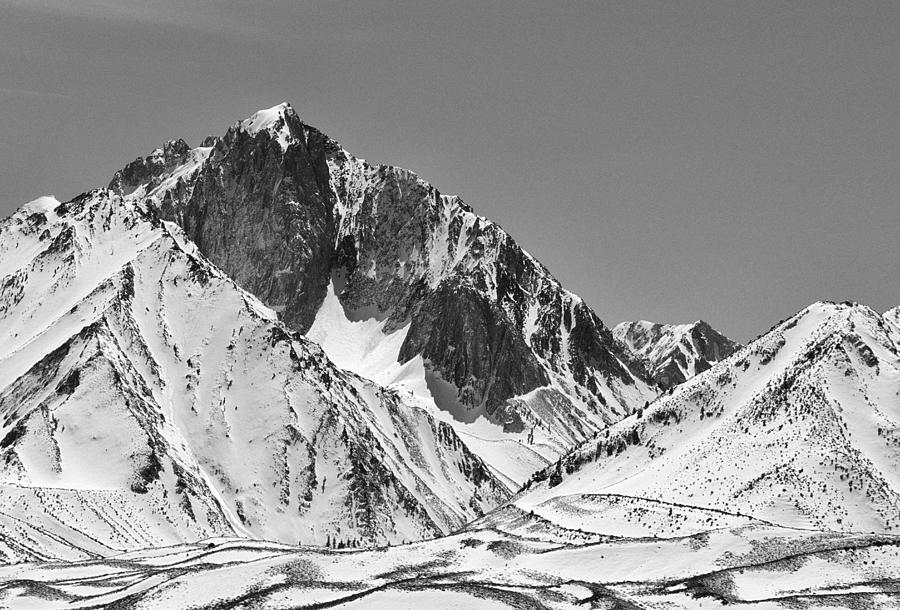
x: 756, y: 567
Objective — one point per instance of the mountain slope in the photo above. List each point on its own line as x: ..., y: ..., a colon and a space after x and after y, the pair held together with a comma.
x: 799, y: 429
x: 147, y: 400
x: 673, y: 353
x: 469, y: 324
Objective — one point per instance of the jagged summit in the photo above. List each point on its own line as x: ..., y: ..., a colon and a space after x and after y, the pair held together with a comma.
x: 268, y: 118
x: 277, y: 121
x: 673, y: 353
x: 492, y: 368
x: 471, y: 326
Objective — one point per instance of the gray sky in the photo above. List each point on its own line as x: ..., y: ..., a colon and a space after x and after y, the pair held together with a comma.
x: 731, y: 161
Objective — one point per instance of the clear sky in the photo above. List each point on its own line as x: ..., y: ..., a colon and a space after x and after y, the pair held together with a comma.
x: 731, y: 161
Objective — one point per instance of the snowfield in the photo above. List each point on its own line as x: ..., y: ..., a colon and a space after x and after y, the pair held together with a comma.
x: 754, y: 567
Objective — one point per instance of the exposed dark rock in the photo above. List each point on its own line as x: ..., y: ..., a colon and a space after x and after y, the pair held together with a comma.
x: 283, y: 210
x: 474, y: 344
x: 146, y: 169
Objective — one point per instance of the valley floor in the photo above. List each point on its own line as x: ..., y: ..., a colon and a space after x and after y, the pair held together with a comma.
x: 753, y: 566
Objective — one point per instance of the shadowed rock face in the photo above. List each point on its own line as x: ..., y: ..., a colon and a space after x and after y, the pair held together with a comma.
x: 283, y: 210
x: 471, y: 341
x: 482, y: 312
x: 263, y: 214
x: 265, y: 217
x: 146, y: 169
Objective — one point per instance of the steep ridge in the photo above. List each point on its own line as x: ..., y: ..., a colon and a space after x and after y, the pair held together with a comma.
x: 673, y: 353
x: 453, y: 313
x: 147, y: 400
x: 892, y: 316
x: 799, y: 429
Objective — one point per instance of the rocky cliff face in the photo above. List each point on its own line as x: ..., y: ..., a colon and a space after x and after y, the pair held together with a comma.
x: 257, y: 202
x: 673, y: 353
x: 146, y: 400
x: 287, y: 213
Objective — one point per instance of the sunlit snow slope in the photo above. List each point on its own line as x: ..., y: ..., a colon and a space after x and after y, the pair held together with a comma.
x: 801, y: 428
x: 147, y: 400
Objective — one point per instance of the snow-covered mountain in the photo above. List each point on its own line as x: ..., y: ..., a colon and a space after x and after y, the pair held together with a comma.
x: 147, y: 400
x: 265, y: 341
x: 799, y: 429
x: 673, y: 353
x: 399, y: 283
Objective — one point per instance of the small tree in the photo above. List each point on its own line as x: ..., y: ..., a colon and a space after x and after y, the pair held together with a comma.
x: 556, y: 477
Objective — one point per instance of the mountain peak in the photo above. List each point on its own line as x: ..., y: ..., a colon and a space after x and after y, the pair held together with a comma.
x: 274, y: 120
x: 290, y: 224
x: 673, y: 353
x: 826, y: 312
x: 48, y: 203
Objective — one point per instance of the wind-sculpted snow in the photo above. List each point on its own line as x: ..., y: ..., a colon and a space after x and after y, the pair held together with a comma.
x: 489, y: 332
x: 147, y: 400
x: 673, y: 353
x: 800, y: 428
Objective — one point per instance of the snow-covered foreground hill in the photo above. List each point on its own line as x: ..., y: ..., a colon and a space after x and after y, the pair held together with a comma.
x: 751, y: 567
x: 399, y: 283
x: 147, y: 400
x: 801, y: 428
